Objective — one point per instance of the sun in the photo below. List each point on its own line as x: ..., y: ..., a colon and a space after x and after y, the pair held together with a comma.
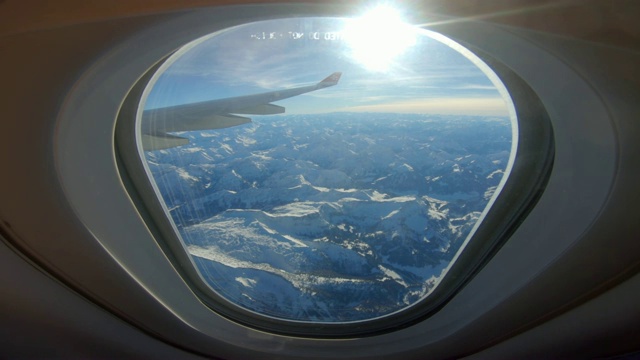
x: 377, y: 38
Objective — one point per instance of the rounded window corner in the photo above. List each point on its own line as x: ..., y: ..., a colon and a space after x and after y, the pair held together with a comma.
x: 496, y: 215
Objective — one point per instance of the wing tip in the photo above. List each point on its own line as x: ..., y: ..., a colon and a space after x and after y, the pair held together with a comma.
x: 331, y: 79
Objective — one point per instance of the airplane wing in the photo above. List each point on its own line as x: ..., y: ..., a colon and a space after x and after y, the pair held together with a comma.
x: 215, y: 114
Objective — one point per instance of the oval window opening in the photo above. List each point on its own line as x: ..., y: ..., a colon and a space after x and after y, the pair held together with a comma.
x: 325, y: 170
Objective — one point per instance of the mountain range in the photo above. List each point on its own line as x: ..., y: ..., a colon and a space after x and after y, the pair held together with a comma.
x: 332, y: 217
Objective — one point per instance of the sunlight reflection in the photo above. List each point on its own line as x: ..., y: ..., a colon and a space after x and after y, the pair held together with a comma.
x: 377, y: 38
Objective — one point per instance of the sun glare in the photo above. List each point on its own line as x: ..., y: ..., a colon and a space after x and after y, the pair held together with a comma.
x: 377, y: 38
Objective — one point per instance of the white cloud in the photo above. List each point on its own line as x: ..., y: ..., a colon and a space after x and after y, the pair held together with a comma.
x: 447, y: 106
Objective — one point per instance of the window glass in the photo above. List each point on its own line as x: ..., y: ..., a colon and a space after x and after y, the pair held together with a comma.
x: 346, y: 202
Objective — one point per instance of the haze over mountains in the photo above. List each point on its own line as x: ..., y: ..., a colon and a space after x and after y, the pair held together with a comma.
x: 332, y: 217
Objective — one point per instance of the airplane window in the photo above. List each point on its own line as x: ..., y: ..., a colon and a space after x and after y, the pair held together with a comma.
x: 324, y: 170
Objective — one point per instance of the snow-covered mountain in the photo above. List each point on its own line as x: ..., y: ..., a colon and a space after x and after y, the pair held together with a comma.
x: 333, y: 217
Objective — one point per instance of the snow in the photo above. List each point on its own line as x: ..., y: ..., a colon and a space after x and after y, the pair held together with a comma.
x: 246, y: 282
x: 329, y: 218
x: 298, y: 209
x: 300, y: 281
x: 391, y: 214
x: 294, y: 240
x: 393, y: 275
x: 185, y: 175
x: 227, y: 148
x: 496, y: 173
x: 245, y: 141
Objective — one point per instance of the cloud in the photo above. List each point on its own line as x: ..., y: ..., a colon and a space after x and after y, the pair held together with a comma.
x: 447, y: 106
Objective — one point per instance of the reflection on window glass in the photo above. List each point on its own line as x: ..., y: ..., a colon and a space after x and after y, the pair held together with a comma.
x: 353, y: 203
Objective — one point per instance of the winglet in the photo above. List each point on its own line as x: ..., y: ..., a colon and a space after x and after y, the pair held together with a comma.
x: 330, y: 80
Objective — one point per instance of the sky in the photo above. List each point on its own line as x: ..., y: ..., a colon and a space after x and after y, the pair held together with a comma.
x: 386, y: 66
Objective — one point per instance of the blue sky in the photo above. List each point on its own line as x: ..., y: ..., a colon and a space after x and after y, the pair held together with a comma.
x: 427, y: 77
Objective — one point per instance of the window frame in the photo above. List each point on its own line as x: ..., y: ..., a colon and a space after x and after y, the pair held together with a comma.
x: 523, y: 187
x: 109, y: 257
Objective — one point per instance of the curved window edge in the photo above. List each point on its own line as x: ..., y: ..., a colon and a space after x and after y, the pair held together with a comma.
x: 523, y: 187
